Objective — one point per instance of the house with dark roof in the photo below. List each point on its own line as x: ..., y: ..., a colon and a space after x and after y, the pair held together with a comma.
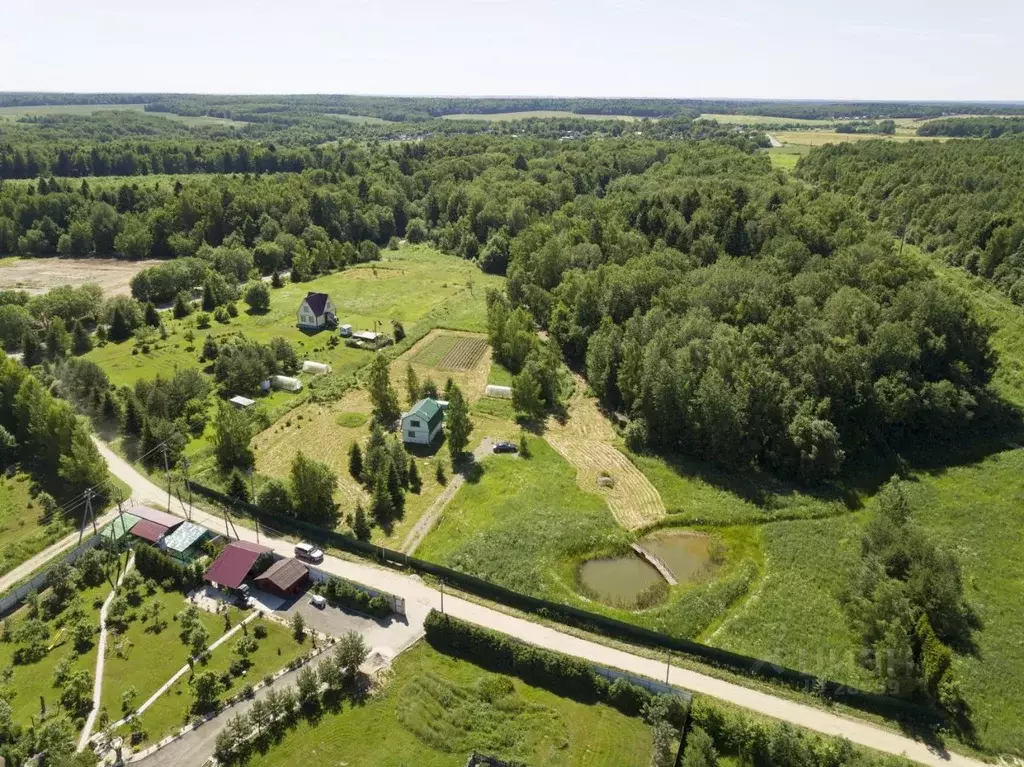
x: 423, y: 422
x: 232, y: 567
x: 286, y: 578
x: 317, y: 311
x: 148, y: 531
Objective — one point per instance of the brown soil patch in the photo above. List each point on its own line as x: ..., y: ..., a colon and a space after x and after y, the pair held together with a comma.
x: 472, y: 380
x: 587, y: 441
x: 38, y: 275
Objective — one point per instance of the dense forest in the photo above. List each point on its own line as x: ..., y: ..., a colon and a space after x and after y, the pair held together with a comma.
x: 124, y: 143
x: 972, y: 127
x: 736, y: 315
x: 959, y: 199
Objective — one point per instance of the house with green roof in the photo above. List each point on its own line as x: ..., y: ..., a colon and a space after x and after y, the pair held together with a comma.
x: 422, y: 424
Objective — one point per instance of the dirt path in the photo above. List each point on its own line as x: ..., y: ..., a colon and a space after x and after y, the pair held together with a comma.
x: 426, y: 522
x: 421, y: 598
x: 101, y: 655
x: 587, y: 441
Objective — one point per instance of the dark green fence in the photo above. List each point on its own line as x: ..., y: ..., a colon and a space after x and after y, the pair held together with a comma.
x: 876, y: 703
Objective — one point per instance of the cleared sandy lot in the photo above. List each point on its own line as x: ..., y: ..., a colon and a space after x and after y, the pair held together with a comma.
x: 38, y: 275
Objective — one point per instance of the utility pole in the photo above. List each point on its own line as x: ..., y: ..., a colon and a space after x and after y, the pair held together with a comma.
x: 442, y: 596
x: 668, y: 664
x: 188, y: 486
x: 167, y: 471
x: 256, y: 520
x: 252, y: 485
x: 89, y: 493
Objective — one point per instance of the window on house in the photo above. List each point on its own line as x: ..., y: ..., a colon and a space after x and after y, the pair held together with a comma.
x: 414, y: 423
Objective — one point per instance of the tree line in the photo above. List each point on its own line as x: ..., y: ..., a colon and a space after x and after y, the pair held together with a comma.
x: 972, y: 127
x: 958, y: 199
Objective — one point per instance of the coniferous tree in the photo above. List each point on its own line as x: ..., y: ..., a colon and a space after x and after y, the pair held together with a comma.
x: 360, y: 524
x: 458, y: 423
x: 355, y: 462
x: 415, y: 483
x: 31, y: 349
x: 81, y: 343
x: 151, y: 316
x: 119, y: 329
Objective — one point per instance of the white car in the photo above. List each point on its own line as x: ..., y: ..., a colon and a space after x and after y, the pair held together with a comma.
x: 309, y: 552
x: 318, y: 601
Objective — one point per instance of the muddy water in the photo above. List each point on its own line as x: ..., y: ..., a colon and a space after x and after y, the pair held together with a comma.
x: 618, y: 580
x: 622, y: 581
x: 688, y: 556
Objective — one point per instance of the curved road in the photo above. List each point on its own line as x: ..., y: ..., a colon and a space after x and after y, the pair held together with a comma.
x: 420, y: 599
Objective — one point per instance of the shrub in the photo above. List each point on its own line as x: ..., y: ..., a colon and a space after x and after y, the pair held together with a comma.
x: 260, y: 631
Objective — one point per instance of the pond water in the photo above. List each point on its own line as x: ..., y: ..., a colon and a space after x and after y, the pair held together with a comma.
x: 632, y: 582
x: 619, y: 580
x: 688, y: 556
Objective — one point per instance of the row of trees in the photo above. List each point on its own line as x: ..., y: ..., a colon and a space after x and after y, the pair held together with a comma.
x: 271, y: 714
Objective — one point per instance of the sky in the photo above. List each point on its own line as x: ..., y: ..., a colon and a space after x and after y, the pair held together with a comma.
x: 787, y: 49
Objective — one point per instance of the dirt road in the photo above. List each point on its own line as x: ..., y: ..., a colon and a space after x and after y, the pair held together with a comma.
x: 421, y: 598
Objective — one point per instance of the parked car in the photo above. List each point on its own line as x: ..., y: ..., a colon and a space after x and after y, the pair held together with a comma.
x: 505, y: 447
x: 318, y: 602
x: 309, y: 552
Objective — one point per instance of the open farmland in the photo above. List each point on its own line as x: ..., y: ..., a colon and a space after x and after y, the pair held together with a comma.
x: 539, y: 114
x: 38, y: 275
x: 444, y: 354
x: 16, y: 113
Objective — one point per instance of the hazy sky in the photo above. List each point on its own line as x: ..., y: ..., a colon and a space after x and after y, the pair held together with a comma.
x: 856, y: 49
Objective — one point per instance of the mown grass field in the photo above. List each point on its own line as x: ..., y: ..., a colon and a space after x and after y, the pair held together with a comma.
x: 171, y: 710
x: 764, y: 120
x: 21, y: 533
x: 786, y: 157
x: 143, y: 658
x: 535, y: 114
x: 431, y: 713
x: 813, y: 138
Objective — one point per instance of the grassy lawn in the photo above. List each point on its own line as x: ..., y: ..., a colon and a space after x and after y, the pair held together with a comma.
x: 21, y: 533
x: 416, y: 285
x: 171, y: 710
x: 144, y: 659
x: 786, y: 157
x: 35, y: 680
x: 431, y: 713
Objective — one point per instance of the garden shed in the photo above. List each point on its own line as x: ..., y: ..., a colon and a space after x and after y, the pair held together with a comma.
x: 286, y: 578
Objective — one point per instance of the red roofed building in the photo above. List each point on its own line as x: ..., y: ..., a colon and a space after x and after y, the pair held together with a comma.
x: 148, y: 531
x: 234, y: 563
x: 169, y: 521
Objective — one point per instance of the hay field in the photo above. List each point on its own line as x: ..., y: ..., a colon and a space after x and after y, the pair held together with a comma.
x: 587, y: 441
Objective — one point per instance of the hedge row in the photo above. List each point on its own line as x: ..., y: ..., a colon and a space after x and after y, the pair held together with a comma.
x: 341, y: 593
x: 562, y: 674
x: 153, y: 563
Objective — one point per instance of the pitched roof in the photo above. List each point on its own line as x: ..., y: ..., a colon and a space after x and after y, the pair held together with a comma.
x: 148, y: 531
x: 427, y: 409
x: 317, y: 302
x: 284, y: 573
x: 250, y: 546
x: 117, y: 529
x: 233, y: 564
x: 159, y: 517
x: 186, y: 535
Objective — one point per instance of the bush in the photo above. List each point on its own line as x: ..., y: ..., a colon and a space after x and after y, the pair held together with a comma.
x: 342, y: 593
x: 202, y: 320
x: 260, y: 631
x: 636, y: 435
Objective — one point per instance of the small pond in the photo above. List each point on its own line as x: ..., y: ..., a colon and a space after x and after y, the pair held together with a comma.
x: 688, y: 556
x: 619, y: 581
x: 632, y: 582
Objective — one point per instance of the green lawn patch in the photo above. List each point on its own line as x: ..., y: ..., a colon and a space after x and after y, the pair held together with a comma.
x: 145, y: 659
x: 351, y: 420
x: 171, y: 711
x: 22, y: 534
x: 435, y: 709
x: 499, y: 375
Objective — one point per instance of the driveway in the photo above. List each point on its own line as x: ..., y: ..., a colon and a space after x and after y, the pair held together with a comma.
x: 387, y: 636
